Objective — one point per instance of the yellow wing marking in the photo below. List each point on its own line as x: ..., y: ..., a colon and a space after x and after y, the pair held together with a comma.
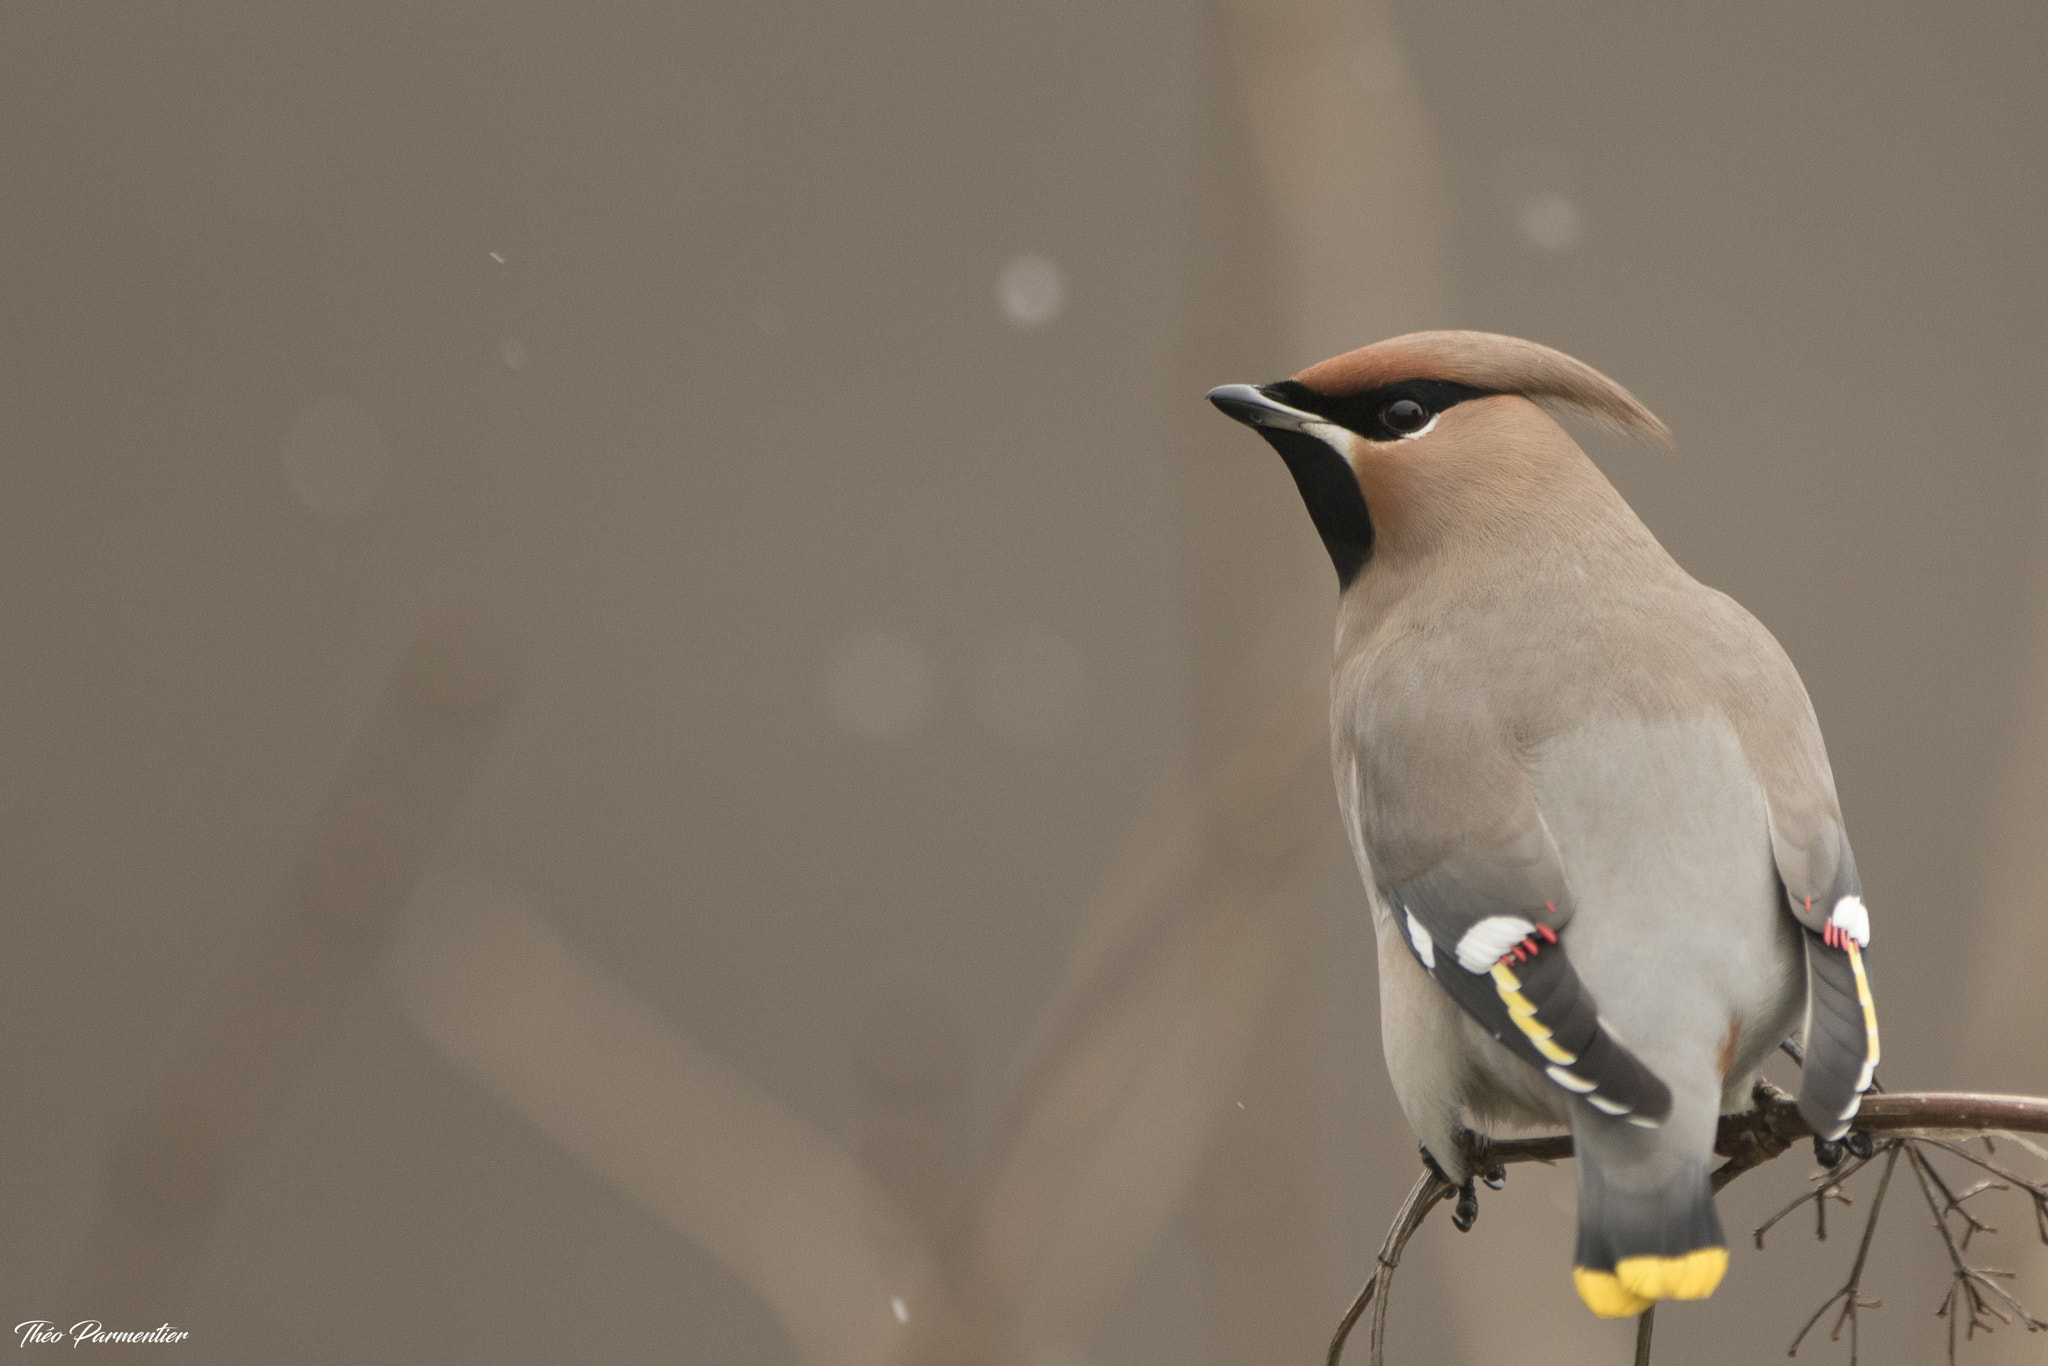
x: 1864, y: 999
x: 1523, y: 1013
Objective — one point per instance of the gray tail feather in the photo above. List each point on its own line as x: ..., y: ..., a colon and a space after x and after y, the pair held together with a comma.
x: 1670, y: 1221
x: 1838, y: 1045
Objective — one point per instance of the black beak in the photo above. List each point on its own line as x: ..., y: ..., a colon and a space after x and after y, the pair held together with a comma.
x: 1257, y: 408
x: 1325, y: 478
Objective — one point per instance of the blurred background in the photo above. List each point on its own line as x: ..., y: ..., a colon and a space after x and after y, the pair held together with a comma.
x: 645, y: 718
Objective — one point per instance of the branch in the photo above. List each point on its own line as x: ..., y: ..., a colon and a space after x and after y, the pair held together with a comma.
x: 236, y: 1059
x: 2036, y: 1190
x: 1851, y: 1293
x: 1749, y: 1140
x: 1968, y: 1284
x: 1754, y: 1137
x: 1829, y: 1187
x: 1430, y: 1188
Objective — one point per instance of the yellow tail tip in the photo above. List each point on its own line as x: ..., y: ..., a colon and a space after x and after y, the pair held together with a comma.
x: 1691, y: 1277
x: 1636, y: 1283
x: 1605, y: 1295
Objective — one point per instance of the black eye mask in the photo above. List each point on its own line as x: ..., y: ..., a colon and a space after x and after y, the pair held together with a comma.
x: 1328, y: 487
x: 1383, y: 414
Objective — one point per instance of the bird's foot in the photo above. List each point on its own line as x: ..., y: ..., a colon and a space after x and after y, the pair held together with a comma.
x: 1466, y: 1212
x: 1857, y: 1143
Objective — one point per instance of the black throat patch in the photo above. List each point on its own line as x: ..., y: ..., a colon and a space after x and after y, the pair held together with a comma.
x: 1329, y: 488
x: 1330, y: 491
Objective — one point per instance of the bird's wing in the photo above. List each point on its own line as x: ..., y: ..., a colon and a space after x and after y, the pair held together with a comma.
x: 1489, y: 924
x: 1824, y: 894
x: 1759, y: 692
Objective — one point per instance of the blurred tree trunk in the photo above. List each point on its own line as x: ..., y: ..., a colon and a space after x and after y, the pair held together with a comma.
x: 1312, y: 231
x: 2000, y: 1047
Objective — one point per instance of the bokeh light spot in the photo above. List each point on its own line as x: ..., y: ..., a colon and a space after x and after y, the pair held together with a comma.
x: 879, y: 685
x: 1550, y: 221
x: 336, y: 458
x: 1031, y: 289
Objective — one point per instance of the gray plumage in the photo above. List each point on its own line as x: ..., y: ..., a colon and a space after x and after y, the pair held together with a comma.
x: 1556, y: 751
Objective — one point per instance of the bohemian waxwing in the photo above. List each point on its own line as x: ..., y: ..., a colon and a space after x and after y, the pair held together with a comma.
x: 1588, y: 795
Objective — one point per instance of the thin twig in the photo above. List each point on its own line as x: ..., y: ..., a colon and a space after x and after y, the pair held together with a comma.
x: 1646, y: 1323
x: 1429, y: 1188
x: 2021, y: 1139
x: 1953, y: 1203
x: 1831, y: 1185
x: 1968, y: 1284
x: 1851, y: 1292
x: 2034, y: 1189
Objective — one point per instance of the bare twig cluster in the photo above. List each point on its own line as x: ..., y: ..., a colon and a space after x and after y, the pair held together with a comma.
x: 1906, y: 1126
x: 1972, y: 1289
x: 1829, y: 1187
x: 1975, y: 1298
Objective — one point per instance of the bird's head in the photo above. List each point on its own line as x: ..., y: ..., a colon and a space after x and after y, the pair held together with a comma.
x: 1406, y: 443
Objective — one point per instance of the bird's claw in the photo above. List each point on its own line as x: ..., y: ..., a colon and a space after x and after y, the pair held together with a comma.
x: 1860, y: 1143
x: 1828, y: 1151
x: 1466, y: 1212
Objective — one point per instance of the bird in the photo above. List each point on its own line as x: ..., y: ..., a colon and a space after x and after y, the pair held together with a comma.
x: 1588, y: 797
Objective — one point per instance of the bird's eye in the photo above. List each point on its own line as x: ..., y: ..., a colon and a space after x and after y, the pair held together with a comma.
x: 1405, y: 416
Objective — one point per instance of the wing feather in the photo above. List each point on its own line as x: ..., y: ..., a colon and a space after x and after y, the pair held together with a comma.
x: 1825, y: 895
x: 1526, y: 994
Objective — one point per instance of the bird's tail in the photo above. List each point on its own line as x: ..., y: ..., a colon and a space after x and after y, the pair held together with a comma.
x: 1642, y: 1237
